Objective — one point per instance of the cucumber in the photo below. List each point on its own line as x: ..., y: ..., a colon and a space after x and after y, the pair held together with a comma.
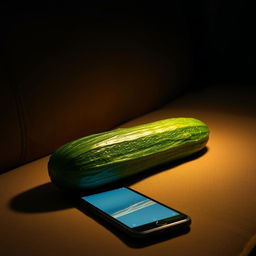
x: 103, y: 158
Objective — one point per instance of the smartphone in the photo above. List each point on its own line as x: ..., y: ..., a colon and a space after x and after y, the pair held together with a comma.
x: 134, y: 213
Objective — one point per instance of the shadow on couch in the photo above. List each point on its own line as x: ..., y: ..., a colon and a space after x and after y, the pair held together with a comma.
x: 47, y: 197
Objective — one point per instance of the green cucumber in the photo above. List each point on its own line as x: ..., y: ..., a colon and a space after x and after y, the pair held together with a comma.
x: 106, y: 157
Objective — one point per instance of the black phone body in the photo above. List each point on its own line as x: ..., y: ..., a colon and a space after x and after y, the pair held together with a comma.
x: 134, y: 213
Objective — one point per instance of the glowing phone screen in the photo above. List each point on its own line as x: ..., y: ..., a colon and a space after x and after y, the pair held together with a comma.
x: 129, y: 207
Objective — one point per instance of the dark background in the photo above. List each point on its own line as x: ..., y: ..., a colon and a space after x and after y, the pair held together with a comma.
x: 220, y: 33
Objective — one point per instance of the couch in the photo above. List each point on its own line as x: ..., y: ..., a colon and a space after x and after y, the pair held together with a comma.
x: 64, y: 83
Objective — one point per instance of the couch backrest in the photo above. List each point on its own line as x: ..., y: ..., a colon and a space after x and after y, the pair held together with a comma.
x: 67, y: 77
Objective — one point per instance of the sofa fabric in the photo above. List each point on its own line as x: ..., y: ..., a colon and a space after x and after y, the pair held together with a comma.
x: 216, y: 188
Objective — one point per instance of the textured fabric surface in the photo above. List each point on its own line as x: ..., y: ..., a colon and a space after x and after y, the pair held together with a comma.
x: 217, y: 189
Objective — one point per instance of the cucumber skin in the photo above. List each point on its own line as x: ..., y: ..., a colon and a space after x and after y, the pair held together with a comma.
x: 99, y: 159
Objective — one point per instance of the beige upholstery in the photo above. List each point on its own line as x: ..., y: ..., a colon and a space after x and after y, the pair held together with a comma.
x: 217, y: 189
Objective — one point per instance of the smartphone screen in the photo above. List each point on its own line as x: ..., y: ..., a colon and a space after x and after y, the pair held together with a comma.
x: 132, y: 208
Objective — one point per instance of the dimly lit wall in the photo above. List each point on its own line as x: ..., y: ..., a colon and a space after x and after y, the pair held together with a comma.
x: 222, y: 37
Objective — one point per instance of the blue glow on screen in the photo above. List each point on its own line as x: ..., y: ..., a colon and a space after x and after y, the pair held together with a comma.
x: 129, y: 207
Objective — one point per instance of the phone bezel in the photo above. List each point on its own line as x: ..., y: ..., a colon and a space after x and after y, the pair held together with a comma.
x: 175, y: 222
